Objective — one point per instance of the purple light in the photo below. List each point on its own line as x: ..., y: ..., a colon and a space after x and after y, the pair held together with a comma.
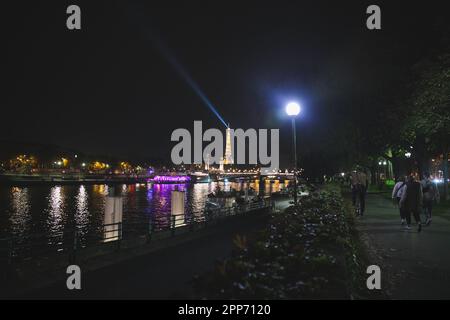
x: 171, y: 178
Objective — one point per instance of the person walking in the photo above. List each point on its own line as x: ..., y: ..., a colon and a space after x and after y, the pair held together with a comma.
x: 411, y: 202
x: 430, y: 195
x: 359, y: 188
x: 397, y: 193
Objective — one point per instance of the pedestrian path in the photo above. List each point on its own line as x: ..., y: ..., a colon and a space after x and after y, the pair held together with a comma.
x: 414, y: 265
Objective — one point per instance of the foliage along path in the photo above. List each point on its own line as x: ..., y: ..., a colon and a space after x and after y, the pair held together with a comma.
x: 413, y: 265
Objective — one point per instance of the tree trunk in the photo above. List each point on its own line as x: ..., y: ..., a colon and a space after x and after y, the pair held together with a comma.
x: 422, y: 157
x: 396, y: 167
x: 373, y: 173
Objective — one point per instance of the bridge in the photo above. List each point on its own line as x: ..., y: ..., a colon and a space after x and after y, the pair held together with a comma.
x: 239, y: 175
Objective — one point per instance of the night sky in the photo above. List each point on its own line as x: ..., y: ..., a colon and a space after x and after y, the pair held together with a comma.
x: 109, y: 89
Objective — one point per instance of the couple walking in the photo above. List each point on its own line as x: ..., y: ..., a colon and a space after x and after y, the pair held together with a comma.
x: 414, y: 196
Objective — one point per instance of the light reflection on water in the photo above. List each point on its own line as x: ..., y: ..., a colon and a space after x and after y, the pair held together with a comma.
x: 20, y: 211
x: 52, y: 209
x: 82, y: 213
x: 56, y: 210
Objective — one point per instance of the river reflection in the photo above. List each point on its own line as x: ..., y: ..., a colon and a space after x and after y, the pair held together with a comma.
x: 50, y: 210
x: 56, y: 209
x: 20, y: 211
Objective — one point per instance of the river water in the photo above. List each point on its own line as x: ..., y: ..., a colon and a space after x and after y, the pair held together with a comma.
x: 49, y: 210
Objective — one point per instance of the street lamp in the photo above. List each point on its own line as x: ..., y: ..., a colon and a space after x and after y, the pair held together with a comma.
x: 292, y: 110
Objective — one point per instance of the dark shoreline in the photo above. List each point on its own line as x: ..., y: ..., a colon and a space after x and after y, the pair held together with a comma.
x: 17, y: 180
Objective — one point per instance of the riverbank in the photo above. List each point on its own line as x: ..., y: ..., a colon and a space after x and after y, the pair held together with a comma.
x: 311, y: 251
x: 162, y: 270
x: 69, y: 179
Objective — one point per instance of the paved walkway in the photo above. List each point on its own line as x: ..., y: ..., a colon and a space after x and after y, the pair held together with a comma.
x: 414, y: 265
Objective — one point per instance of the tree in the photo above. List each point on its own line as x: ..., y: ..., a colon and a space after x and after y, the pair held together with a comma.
x: 430, y: 114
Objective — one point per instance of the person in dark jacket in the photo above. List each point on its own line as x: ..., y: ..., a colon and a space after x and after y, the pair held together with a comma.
x: 430, y: 195
x: 411, y: 202
x: 359, y: 186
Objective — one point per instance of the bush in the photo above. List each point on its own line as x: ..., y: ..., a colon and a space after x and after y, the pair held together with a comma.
x: 305, y: 252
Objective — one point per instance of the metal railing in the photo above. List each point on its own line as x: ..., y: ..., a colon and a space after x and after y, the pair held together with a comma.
x: 44, y: 245
x: 68, y: 242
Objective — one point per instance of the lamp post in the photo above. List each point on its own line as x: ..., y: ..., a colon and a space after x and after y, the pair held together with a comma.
x: 292, y: 110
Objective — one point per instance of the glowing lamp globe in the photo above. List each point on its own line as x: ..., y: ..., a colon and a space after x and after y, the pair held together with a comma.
x: 292, y: 109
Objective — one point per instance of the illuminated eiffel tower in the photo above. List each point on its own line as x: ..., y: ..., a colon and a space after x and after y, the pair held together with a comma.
x: 228, y: 159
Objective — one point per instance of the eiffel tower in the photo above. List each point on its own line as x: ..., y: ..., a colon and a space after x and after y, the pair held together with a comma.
x: 228, y: 159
